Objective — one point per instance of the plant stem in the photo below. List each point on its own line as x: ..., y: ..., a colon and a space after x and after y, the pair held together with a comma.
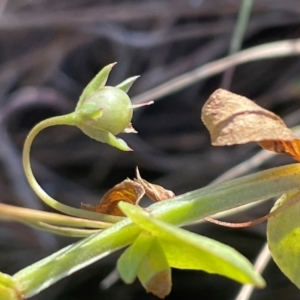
x: 237, y: 38
x: 70, y: 259
x: 20, y: 214
x: 59, y: 120
x: 65, y: 231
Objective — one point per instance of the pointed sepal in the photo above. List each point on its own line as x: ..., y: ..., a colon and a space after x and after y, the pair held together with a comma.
x: 126, y: 84
x: 105, y: 137
x: 97, y: 82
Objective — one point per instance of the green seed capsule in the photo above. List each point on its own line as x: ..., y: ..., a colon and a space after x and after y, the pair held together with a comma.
x: 108, y: 109
x: 105, y: 111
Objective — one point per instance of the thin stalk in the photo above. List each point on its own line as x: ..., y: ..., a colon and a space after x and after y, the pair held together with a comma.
x: 259, y: 265
x: 9, y: 212
x: 59, y: 120
x: 237, y: 38
x: 241, y: 25
x: 65, y: 231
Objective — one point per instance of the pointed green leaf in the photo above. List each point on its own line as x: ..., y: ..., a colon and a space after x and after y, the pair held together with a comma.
x: 186, y: 250
x: 283, y: 233
x: 104, y: 137
x: 98, y: 81
x: 154, y: 272
x: 126, y: 84
x: 129, y: 262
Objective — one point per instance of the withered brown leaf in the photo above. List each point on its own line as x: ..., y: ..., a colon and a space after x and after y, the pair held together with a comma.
x: 291, y: 148
x: 233, y: 119
x: 153, y: 191
x: 160, y: 285
x: 128, y: 191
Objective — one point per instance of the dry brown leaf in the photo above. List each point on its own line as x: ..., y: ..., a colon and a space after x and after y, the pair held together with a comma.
x: 128, y: 191
x: 160, y: 285
x: 291, y: 148
x: 153, y: 191
x: 233, y: 119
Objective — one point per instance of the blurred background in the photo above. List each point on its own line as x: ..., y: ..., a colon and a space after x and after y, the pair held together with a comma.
x: 49, y: 51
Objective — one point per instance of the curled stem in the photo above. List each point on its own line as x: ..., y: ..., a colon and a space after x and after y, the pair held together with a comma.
x: 59, y: 120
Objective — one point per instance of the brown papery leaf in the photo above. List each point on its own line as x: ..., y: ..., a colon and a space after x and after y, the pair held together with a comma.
x: 160, y: 285
x: 128, y: 191
x: 233, y: 119
x: 153, y: 191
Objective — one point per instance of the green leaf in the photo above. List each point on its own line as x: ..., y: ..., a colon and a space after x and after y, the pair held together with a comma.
x: 129, y: 262
x: 98, y: 81
x: 186, y: 250
x: 145, y: 258
x: 283, y: 233
x: 8, y: 288
x: 180, y: 210
x: 126, y: 84
x: 154, y: 272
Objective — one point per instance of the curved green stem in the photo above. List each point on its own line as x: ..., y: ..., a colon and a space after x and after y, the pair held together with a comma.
x: 59, y: 120
x: 19, y: 214
x: 237, y: 38
x: 65, y: 231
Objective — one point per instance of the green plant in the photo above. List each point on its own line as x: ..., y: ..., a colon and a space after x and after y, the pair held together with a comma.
x: 155, y: 242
